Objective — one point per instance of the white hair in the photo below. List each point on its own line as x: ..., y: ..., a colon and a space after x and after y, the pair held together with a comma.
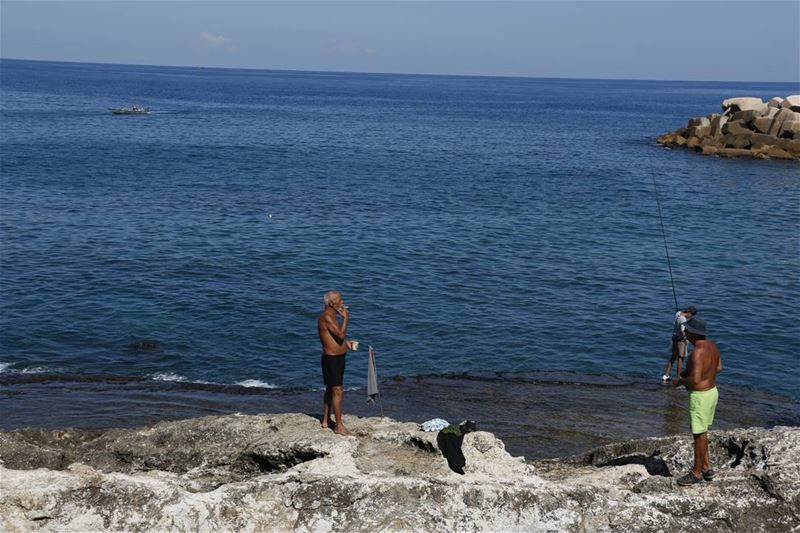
x: 328, y: 297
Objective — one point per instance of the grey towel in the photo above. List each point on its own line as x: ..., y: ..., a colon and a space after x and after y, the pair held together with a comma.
x: 372, y: 378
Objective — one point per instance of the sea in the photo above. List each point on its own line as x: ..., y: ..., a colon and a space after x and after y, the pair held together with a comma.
x: 497, y: 240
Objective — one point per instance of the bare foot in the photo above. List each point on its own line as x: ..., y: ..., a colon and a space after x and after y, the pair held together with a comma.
x: 327, y: 424
x: 342, y: 430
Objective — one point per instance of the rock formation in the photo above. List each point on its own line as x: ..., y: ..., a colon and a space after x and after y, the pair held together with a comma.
x: 746, y: 127
x: 285, y: 473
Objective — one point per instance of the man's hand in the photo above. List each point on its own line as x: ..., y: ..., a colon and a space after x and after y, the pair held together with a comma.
x: 343, y: 311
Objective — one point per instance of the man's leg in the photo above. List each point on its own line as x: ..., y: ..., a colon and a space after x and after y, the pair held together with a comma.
x: 326, y: 407
x: 668, y: 368
x: 683, y: 347
x: 700, y: 453
x: 338, y: 394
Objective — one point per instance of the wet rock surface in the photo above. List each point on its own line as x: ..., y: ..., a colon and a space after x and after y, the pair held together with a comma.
x: 284, y: 472
x: 746, y: 127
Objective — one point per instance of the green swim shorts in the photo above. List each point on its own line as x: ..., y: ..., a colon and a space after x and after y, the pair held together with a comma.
x: 702, y: 406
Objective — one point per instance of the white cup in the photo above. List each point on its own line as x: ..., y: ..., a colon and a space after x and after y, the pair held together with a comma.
x: 354, y: 345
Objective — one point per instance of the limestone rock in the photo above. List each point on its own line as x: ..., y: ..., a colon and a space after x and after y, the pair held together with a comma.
x: 773, y: 152
x: 763, y: 124
x: 717, y: 122
x: 284, y: 473
x: 775, y: 102
x: 738, y: 140
x: 792, y: 102
x: 742, y: 104
x: 759, y: 140
x: 777, y: 123
x: 735, y: 128
x: 748, y: 116
x: 699, y: 131
x: 697, y: 122
x: 790, y: 129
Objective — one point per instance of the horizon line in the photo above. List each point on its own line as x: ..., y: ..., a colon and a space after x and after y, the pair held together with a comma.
x: 376, y: 73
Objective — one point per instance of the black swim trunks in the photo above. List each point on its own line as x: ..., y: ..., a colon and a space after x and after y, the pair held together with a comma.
x: 333, y: 370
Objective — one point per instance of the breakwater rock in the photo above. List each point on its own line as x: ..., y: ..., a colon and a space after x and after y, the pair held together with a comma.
x: 746, y: 127
x: 285, y: 473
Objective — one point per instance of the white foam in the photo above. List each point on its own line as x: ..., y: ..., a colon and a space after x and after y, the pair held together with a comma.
x: 256, y: 383
x: 6, y: 368
x: 168, y: 376
x: 35, y: 370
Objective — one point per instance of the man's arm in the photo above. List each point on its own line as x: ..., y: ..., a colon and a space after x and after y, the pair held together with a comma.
x: 337, y: 331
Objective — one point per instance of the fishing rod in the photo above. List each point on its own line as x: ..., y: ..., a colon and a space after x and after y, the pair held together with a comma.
x: 666, y: 249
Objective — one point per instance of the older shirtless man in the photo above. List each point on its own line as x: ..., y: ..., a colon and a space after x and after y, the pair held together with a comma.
x: 700, y: 377
x: 332, y: 335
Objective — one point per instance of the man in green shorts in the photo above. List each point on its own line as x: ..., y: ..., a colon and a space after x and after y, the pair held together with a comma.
x: 700, y: 377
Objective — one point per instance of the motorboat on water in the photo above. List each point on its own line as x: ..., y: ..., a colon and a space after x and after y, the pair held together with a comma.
x: 135, y: 110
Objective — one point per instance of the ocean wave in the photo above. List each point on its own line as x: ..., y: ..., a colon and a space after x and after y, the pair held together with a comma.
x: 256, y: 383
x: 5, y: 368
x: 168, y: 376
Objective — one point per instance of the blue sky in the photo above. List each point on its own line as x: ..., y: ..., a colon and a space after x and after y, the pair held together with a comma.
x: 685, y: 40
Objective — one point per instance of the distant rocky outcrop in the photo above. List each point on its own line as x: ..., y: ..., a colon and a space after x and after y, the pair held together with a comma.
x: 284, y: 473
x: 746, y: 127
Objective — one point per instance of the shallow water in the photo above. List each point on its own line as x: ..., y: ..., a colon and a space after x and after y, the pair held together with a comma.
x: 538, y: 415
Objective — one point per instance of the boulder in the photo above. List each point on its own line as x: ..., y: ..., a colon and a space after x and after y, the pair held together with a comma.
x: 792, y: 102
x: 710, y: 149
x: 742, y: 104
x: 790, y: 129
x: 749, y: 115
x: 733, y: 152
x: 699, y: 131
x: 697, y: 122
x: 775, y: 102
x: 735, y: 128
x: 738, y: 140
x: 693, y: 142
x: 717, y: 122
x: 763, y: 124
x: 759, y: 140
x: 778, y: 121
x: 773, y: 152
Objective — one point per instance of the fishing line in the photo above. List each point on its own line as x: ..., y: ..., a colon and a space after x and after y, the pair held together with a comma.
x: 666, y: 249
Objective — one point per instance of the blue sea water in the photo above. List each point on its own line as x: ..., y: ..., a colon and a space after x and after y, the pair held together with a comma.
x: 503, y: 224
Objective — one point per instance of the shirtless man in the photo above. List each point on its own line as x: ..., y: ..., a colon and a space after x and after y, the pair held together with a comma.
x: 332, y: 335
x: 700, y: 377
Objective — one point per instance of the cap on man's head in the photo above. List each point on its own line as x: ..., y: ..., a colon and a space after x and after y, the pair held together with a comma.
x: 696, y: 325
x: 691, y: 310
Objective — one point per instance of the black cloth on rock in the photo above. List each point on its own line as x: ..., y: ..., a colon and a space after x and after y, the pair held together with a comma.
x: 450, y: 440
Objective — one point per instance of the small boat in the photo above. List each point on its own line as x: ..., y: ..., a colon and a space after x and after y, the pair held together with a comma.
x: 135, y: 110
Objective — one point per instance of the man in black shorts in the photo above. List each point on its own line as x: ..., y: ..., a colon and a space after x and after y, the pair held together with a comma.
x: 332, y: 335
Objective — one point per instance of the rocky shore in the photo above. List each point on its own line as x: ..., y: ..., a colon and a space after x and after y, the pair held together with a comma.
x: 285, y: 473
x: 746, y: 127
